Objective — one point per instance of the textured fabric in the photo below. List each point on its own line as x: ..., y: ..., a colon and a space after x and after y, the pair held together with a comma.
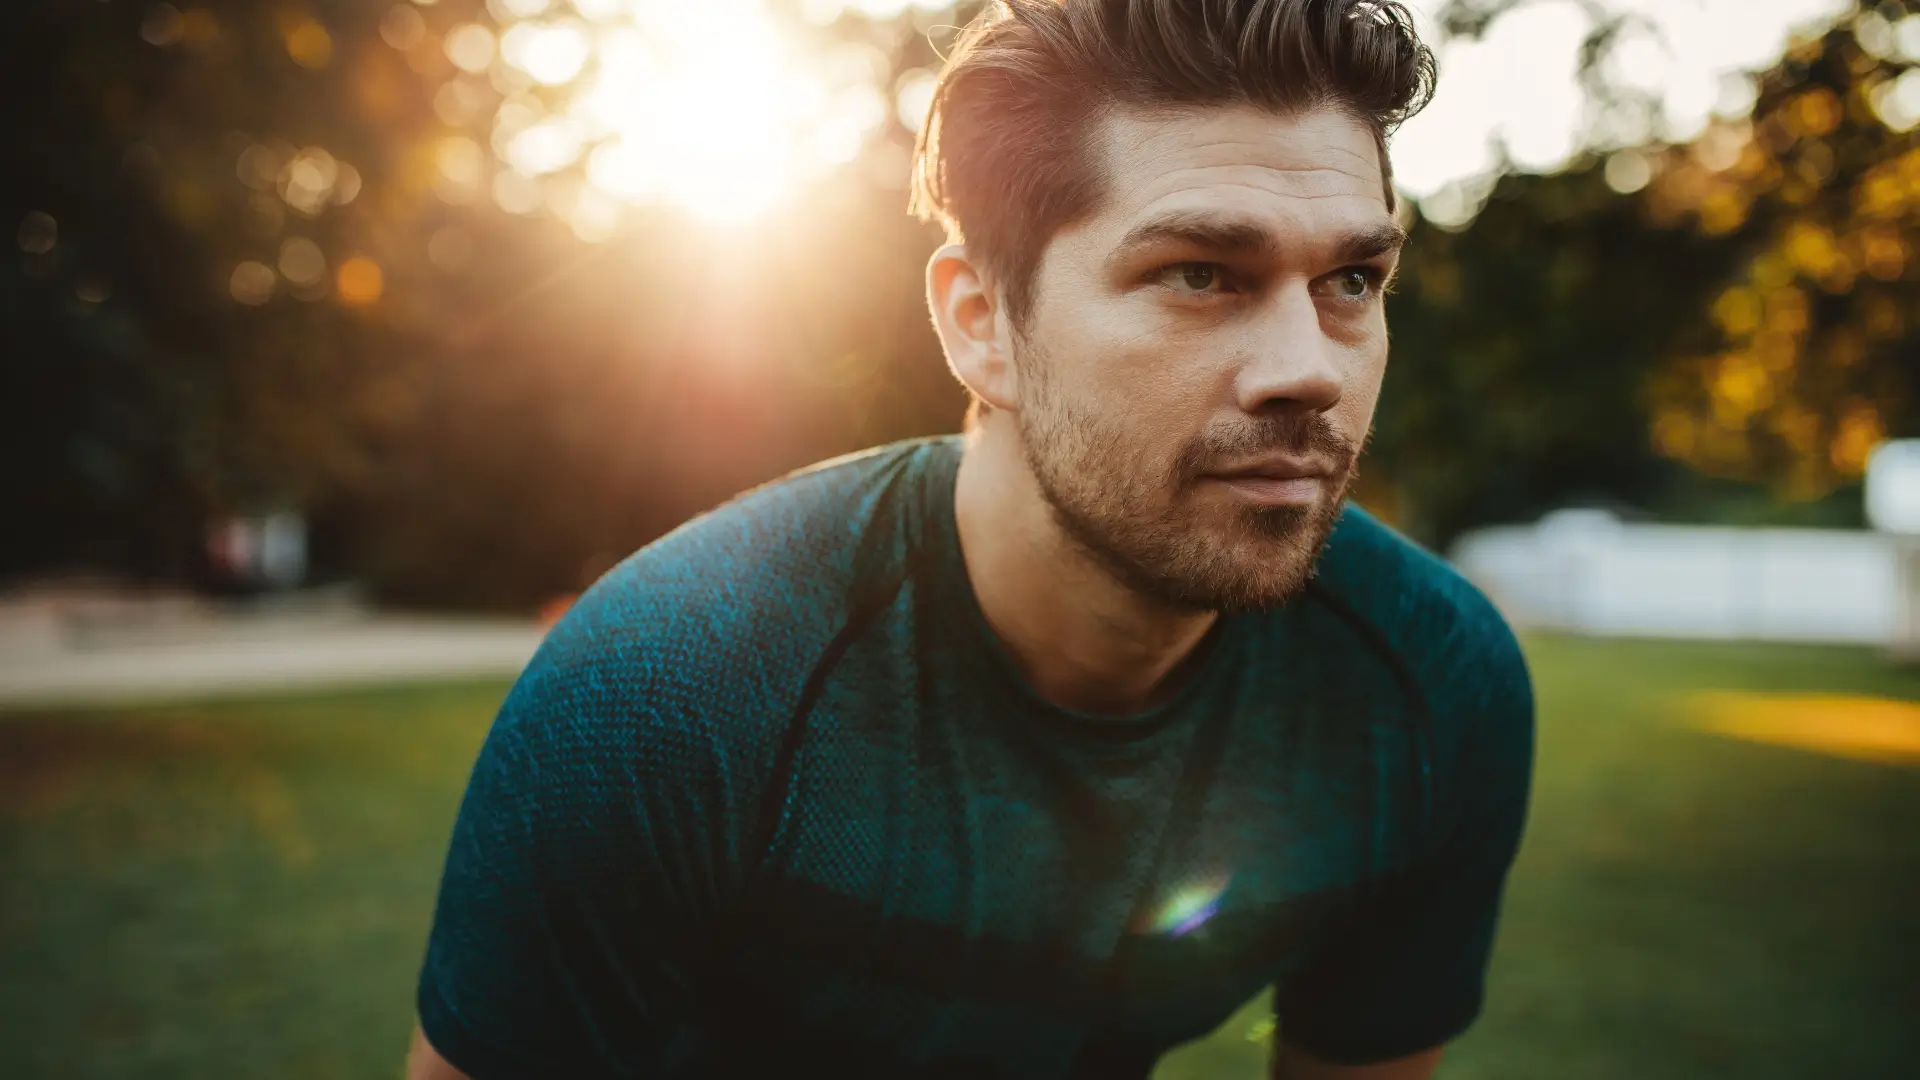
x: 772, y: 797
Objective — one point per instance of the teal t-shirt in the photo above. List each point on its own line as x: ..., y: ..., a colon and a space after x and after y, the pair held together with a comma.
x: 772, y: 800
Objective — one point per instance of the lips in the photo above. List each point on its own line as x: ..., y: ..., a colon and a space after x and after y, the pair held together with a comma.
x: 1276, y: 469
x: 1277, y: 482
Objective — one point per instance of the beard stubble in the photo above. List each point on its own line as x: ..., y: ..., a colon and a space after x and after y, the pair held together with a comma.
x: 1141, y: 525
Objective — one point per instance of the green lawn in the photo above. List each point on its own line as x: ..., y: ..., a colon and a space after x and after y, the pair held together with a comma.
x: 240, y: 889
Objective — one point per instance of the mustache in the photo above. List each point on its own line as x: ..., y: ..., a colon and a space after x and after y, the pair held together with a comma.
x: 1308, y: 435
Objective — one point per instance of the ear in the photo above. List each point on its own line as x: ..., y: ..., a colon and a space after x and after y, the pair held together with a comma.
x: 972, y: 326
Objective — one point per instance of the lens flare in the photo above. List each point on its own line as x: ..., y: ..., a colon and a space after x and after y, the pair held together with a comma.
x: 1190, y: 908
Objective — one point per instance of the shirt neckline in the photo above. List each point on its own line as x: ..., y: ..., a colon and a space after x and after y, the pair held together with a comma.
x: 1212, y: 659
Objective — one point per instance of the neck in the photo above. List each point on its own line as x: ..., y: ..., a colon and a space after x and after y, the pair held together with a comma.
x: 1082, y: 639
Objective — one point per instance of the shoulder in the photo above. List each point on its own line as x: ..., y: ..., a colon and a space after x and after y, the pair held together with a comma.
x: 743, y: 586
x: 1422, y: 609
x: 701, y: 641
x: 1440, y: 633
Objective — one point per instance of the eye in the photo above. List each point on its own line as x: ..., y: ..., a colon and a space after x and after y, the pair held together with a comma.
x: 1354, y: 283
x: 1194, y: 278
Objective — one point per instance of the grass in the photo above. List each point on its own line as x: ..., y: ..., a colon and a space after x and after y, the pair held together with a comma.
x: 243, y: 888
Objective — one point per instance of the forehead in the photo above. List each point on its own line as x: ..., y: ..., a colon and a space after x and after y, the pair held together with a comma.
x: 1313, y: 171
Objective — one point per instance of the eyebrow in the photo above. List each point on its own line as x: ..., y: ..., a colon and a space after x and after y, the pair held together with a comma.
x: 1238, y: 236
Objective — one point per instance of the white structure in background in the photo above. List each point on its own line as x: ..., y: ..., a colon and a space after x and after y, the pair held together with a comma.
x: 267, y: 551
x: 1589, y: 572
x: 1893, y: 507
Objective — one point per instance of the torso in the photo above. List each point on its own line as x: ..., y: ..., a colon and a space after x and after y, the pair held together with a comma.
x: 963, y: 876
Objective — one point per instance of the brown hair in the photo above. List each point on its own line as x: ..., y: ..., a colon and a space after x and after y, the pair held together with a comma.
x: 1004, y: 159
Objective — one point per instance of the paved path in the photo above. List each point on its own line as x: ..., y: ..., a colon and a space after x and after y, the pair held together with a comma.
x: 259, y: 656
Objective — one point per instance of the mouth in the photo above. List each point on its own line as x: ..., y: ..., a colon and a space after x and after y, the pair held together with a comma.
x: 1277, y: 481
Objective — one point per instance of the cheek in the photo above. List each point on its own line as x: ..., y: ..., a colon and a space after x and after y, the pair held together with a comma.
x: 1124, y: 368
x: 1362, y: 391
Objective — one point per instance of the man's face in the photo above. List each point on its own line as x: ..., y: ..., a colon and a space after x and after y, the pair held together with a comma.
x: 1203, y: 354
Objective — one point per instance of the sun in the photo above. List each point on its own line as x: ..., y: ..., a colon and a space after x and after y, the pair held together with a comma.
x: 721, y: 107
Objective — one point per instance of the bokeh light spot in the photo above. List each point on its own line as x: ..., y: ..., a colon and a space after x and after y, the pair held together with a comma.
x: 308, y: 179
x: 913, y: 97
x: 543, y: 148
x: 470, y: 47
x: 360, y: 281
x: 600, y: 10
x: 302, y: 262
x: 39, y: 232
x: 516, y: 193
x: 252, y: 283
x: 552, y: 54
x: 403, y: 27
x: 460, y: 160
x: 346, y: 184
x: 258, y: 167
x: 163, y: 26
x: 1907, y: 38
x: 1897, y: 101
x: 1628, y: 171
x: 310, y: 45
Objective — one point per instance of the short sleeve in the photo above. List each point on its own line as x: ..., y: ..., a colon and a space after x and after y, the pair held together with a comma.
x: 563, y: 935
x: 1407, y: 972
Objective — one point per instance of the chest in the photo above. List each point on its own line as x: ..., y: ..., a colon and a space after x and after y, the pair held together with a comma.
x: 948, y: 883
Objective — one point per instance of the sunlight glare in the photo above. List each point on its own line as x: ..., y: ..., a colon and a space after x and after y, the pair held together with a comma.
x: 713, y: 107
x: 620, y: 168
x: 913, y: 96
x: 552, y: 53
x: 543, y: 148
x: 600, y: 10
x: 505, y: 10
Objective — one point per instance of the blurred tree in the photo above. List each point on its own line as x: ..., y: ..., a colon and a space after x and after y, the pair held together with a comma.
x: 1745, y: 317
x: 1520, y: 349
x: 174, y: 195
x: 1812, y: 355
x: 262, y: 265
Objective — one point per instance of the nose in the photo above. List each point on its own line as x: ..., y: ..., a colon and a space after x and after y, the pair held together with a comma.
x: 1292, y: 364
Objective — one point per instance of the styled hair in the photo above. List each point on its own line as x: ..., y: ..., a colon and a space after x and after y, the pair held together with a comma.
x: 1006, y: 158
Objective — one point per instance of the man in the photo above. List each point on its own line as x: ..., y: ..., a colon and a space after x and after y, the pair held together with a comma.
x: 1038, y: 752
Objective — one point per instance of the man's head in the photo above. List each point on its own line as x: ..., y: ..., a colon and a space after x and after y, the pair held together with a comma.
x: 1172, y: 223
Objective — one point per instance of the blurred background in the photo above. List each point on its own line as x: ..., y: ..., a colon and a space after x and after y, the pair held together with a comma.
x: 347, y: 340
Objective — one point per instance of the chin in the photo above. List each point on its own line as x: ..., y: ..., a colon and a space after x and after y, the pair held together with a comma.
x: 1271, y: 561
x: 1263, y: 586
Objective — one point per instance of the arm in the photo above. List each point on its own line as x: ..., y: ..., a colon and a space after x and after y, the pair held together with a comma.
x: 566, y: 938
x: 425, y: 1063
x: 1407, y: 972
x: 1291, y: 1063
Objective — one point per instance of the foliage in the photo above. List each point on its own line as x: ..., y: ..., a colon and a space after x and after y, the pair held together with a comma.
x: 312, y: 303
x: 1519, y: 349
x: 1754, y: 312
x: 1813, y: 354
